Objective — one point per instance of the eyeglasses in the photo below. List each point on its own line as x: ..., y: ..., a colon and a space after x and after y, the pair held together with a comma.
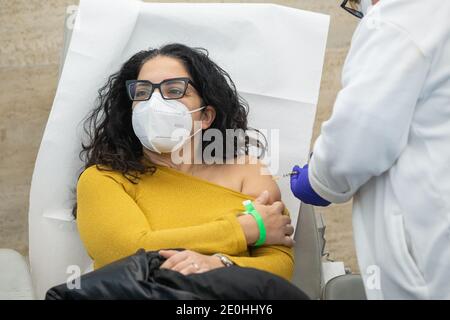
x: 354, y: 7
x: 170, y: 89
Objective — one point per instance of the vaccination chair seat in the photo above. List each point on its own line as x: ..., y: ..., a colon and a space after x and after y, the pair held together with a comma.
x: 276, y: 75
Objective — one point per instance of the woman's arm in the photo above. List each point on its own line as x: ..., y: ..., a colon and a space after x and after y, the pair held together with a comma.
x: 275, y: 259
x: 112, y: 225
x: 278, y: 260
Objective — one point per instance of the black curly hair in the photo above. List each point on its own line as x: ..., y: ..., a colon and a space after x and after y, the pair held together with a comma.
x: 113, y: 144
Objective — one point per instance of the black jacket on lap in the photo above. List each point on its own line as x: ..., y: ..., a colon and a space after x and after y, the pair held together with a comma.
x: 138, y: 277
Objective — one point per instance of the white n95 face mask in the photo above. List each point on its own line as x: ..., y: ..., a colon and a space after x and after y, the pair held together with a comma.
x: 162, y: 125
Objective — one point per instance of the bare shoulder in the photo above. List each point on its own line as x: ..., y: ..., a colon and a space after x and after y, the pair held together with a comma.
x: 256, y: 178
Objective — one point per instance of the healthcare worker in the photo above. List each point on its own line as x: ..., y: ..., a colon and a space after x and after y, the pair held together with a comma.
x: 387, y: 145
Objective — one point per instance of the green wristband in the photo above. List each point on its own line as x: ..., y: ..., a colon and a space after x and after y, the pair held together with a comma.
x: 250, y: 209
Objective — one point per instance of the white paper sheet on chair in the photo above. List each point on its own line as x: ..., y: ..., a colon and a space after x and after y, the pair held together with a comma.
x: 274, y: 54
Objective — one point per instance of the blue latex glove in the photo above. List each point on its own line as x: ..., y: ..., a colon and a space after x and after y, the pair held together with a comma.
x: 301, y: 188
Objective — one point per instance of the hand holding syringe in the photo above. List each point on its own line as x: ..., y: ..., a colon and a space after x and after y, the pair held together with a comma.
x: 302, y: 189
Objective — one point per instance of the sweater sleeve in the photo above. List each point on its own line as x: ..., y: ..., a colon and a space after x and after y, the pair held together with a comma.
x: 112, y: 225
x: 278, y: 260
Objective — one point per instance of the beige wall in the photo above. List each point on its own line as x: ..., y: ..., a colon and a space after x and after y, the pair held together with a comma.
x: 30, y: 42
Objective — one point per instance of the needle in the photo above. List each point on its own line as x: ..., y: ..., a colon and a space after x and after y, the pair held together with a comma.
x: 284, y: 175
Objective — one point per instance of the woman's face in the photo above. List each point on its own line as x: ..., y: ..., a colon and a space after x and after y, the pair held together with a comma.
x: 162, y: 68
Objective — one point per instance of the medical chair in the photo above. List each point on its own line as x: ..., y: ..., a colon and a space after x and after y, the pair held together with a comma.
x: 16, y: 280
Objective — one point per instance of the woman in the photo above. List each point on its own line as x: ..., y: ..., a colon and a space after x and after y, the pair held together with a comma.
x: 133, y: 194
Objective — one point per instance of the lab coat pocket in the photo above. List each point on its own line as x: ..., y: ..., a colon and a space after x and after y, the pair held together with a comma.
x: 405, y: 259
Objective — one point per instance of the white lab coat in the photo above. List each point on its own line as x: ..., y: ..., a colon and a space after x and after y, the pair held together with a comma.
x: 387, y: 144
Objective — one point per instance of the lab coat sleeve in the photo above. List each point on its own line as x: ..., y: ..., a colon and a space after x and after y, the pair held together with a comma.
x: 382, y: 82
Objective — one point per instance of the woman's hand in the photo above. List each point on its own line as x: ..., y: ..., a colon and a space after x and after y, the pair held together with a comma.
x: 278, y: 226
x: 188, y: 262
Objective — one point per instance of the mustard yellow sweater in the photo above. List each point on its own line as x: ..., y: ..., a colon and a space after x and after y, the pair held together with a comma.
x: 167, y: 209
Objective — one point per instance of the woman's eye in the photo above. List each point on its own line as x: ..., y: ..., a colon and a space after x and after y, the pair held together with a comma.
x: 175, y: 91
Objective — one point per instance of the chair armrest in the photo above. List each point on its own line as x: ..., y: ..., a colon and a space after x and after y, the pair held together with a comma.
x: 345, y: 287
x: 308, y: 253
x: 15, y: 278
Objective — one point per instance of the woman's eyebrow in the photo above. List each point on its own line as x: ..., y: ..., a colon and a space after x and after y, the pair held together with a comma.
x: 165, y: 79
